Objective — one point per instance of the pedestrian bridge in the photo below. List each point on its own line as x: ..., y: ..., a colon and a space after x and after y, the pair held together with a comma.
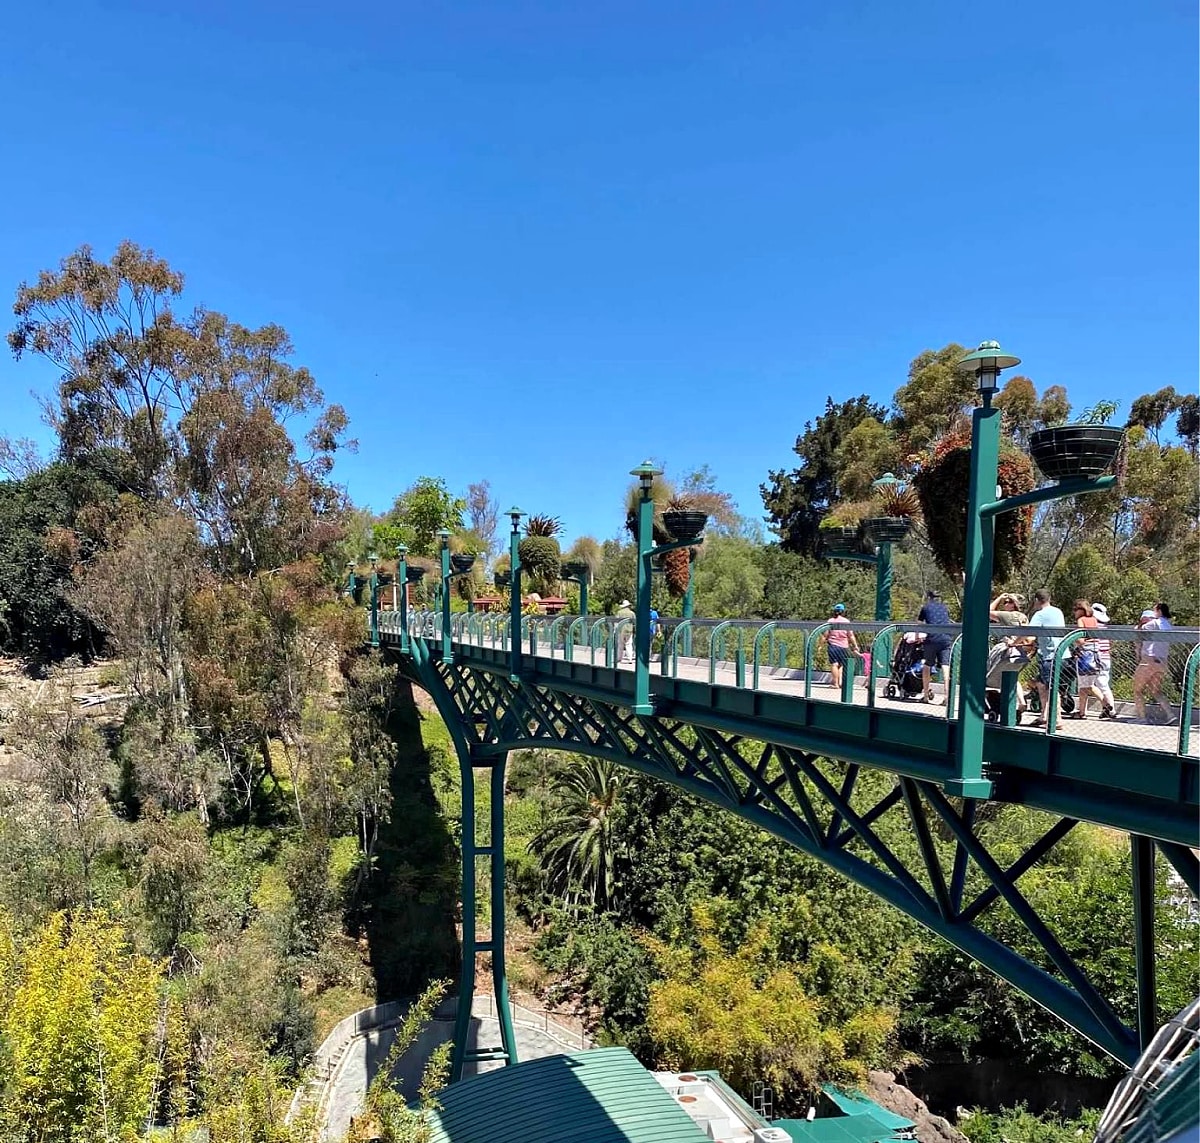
x: 744, y: 716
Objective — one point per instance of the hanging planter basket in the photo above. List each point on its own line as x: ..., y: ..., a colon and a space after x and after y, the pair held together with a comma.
x: 574, y: 569
x: 414, y: 573
x: 503, y: 579
x: 685, y: 524
x: 385, y: 579
x: 841, y: 541
x: 1075, y: 450
x: 886, y: 529
x: 462, y: 563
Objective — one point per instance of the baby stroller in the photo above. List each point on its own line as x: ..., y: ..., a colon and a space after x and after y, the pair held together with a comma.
x: 1004, y: 656
x: 905, y: 678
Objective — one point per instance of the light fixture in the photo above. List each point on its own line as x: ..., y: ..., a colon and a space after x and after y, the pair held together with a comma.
x: 986, y: 363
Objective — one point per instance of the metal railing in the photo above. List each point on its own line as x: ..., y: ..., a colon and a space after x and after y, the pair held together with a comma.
x: 1154, y: 705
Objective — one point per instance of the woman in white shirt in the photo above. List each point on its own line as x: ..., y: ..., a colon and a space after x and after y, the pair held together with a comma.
x: 1151, y: 671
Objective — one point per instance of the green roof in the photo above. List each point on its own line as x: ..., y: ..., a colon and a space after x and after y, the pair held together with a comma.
x: 836, y: 1129
x: 851, y: 1102
x: 601, y: 1096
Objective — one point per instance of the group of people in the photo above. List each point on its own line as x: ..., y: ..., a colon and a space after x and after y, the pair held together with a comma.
x: 1090, y: 662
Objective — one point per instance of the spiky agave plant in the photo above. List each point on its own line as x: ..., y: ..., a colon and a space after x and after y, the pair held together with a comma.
x: 540, y: 555
x: 901, y: 501
x: 676, y: 564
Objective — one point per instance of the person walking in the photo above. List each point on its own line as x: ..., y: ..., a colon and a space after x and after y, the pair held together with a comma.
x: 1151, y: 671
x: 1045, y: 614
x: 625, y: 611
x: 1102, y: 682
x: 1087, y: 658
x: 1013, y: 651
x: 839, y: 643
x: 936, y: 646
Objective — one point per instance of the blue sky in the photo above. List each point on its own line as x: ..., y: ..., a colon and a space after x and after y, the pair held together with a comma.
x: 538, y: 241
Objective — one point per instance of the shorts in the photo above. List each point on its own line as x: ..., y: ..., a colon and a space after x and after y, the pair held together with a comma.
x: 1046, y: 671
x: 1098, y: 681
x: 933, y: 652
x: 839, y: 654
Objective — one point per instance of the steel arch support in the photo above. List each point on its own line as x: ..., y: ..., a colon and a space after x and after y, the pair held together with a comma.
x: 791, y: 794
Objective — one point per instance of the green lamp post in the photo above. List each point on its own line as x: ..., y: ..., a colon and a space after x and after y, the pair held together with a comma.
x: 881, y: 561
x: 374, y: 559
x: 351, y: 579
x: 514, y: 597
x: 646, y: 472
x: 443, y: 535
x: 983, y: 506
x: 575, y: 571
x: 402, y: 581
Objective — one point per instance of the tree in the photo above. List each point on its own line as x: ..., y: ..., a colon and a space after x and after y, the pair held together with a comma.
x: 1187, y: 423
x: 935, y: 395
x: 752, y: 1018
x: 577, y: 847
x: 1151, y: 410
x: 78, y: 1029
x: 729, y: 580
x: 482, y: 515
x: 796, y: 501
x: 50, y: 522
x: 194, y: 409
x: 419, y: 512
x: 867, y: 451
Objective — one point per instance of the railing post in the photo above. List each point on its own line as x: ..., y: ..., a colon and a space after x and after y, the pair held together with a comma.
x: 809, y: 643
x: 1009, y: 682
x: 883, y: 582
x: 374, y: 606
x: 402, y: 585
x: 641, y: 630
x: 1050, y: 714
x: 1186, y: 700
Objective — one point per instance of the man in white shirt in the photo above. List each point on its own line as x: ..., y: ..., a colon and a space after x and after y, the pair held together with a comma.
x: 1045, y: 614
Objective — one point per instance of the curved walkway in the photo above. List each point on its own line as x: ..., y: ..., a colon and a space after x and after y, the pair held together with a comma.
x: 351, y: 1055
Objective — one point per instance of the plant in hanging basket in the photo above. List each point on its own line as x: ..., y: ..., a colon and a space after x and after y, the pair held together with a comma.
x: 943, y: 486
x: 503, y: 579
x: 1088, y: 448
x: 685, y: 523
x: 462, y: 562
x: 886, y: 529
x: 841, y: 541
x: 414, y: 574
x: 575, y: 569
x: 540, y: 553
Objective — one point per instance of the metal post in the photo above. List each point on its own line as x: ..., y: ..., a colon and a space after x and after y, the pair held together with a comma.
x: 1143, y: 936
x: 402, y: 584
x: 514, y: 601
x: 499, y: 927
x: 883, y: 583
x: 374, y: 603
x: 641, y: 630
x: 447, y: 653
x: 583, y: 590
x: 466, y: 979
x: 985, y: 461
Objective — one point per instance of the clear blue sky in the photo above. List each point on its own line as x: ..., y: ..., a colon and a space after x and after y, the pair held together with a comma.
x: 538, y: 241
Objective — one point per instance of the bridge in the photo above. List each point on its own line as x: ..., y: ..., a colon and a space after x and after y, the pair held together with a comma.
x: 751, y: 724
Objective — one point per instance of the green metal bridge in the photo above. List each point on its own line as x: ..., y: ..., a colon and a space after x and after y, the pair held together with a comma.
x: 776, y: 746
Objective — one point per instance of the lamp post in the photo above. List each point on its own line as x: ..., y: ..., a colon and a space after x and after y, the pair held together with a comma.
x: 402, y: 581
x: 374, y: 559
x: 983, y: 506
x: 881, y: 561
x: 444, y: 542
x: 579, y: 576
x: 514, y: 594
x: 646, y: 472
x: 351, y: 581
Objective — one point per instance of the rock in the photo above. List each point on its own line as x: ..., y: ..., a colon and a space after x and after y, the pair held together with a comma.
x: 885, y: 1091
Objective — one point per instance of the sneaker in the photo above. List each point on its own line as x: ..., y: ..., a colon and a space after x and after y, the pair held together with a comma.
x: 1108, y: 712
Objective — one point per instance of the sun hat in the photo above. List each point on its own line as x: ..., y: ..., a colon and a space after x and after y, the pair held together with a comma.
x: 1100, y: 612
x: 625, y: 603
x: 839, y: 607
x: 1149, y: 613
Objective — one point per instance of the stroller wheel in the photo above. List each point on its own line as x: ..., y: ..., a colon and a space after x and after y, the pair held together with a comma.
x: 890, y: 692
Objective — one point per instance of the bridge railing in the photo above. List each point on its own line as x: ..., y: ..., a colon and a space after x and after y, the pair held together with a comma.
x: 881, y: 666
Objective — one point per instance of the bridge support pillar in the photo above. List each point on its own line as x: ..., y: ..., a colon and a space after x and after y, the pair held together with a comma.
x: 472, y: 947
x: 1143, y: 937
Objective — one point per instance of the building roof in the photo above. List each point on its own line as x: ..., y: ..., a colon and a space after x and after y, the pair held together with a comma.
x: 851, y: 1102
x: 601, y: 1096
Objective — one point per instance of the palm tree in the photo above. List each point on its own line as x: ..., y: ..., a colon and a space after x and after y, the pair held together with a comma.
x: 577, y: 847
